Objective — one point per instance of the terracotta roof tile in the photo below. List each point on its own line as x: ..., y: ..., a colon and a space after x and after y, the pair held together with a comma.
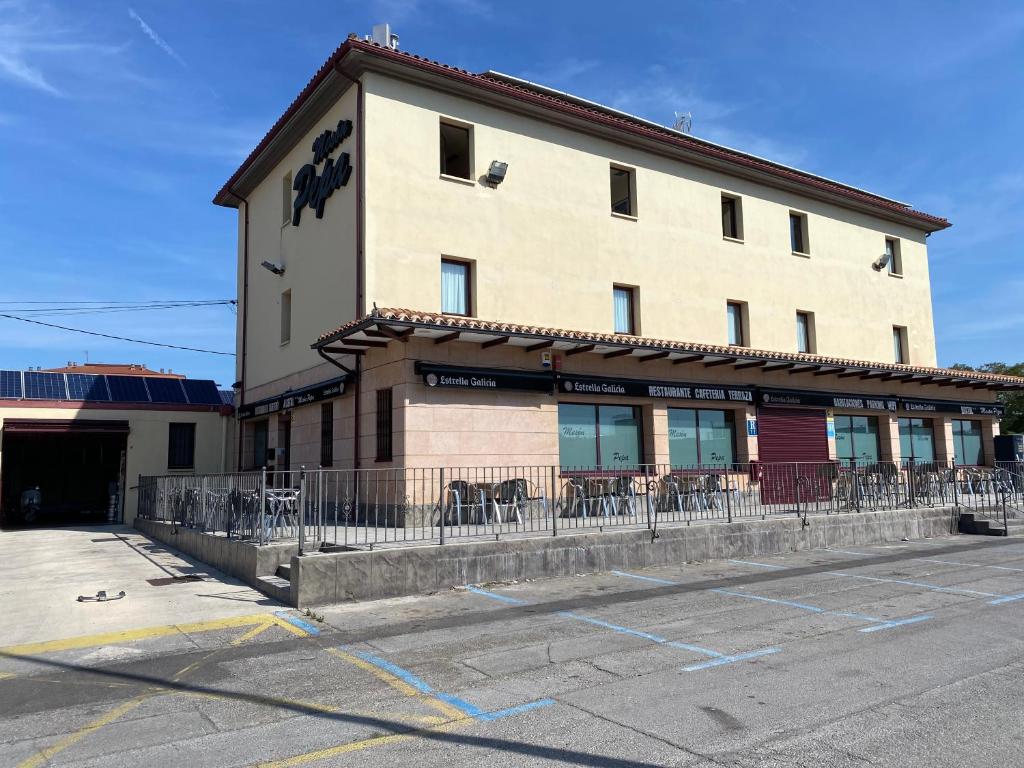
x: 456, y: 322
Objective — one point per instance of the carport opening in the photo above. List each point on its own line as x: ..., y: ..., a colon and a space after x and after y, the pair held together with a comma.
x: 79, y: 474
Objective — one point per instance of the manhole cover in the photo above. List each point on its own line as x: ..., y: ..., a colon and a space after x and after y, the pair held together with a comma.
x: 173, y: 580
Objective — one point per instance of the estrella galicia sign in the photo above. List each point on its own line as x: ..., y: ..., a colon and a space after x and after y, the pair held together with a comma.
x: 313, y: 190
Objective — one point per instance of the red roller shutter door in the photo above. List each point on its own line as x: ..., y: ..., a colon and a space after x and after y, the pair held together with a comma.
x: 792, y: 445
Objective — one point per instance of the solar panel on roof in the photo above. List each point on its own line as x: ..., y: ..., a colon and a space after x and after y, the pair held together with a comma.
x: 127, y: 389
x: 45, y: 386
x: 86, y: 386
x: 165, y: 390
x: 10, y: 384
x: 201, y: 392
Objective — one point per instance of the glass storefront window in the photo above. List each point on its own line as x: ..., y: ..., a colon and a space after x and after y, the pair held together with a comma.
x: 917, y: 440
x: 857, y: 439
x: 967, y: 444
x: 599, y: 436
x: 700, y: 437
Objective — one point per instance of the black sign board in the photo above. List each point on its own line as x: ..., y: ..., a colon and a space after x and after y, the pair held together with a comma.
x: 670, y: 390
x: 948, y: 406
x: 447, y: 376
x: 313, y: 190
x: 827, y: 400
x: 325, y: 390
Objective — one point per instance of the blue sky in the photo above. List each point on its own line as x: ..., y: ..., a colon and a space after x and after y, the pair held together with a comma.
x: 118, y: 122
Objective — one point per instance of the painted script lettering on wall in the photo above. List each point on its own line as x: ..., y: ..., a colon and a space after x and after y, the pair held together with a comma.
x: 312, y: 189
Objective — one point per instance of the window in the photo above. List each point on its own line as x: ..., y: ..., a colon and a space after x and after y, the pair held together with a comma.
x: 181, y: 446
x: 735, y: 311
x: 899, y: 344
x: 623, y: 188
x: 732, y: 217
x: 857, y: 439
x: 917, y: 440
x: 384, y: 425
x: 700, y: 437
x: 286, y: 317
x: 892, y: 250
x: 967, y: 445
x: 260, y: 431
x: 798, y: 233
x: 805, y: 332
x: 455, y: 282
x: 326, y: 434
x: 623, y: 309
x: 286, y: 198
x: 455, y: 151
x: 599, y: 436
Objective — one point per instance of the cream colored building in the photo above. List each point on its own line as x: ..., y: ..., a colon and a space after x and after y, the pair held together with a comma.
x: 84, y: 439
x: 443, y: 268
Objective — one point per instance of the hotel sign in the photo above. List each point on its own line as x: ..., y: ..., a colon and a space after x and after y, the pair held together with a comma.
x: 325, y: 390
x: 669, y: 390
x: 460, y: 377
x: 827, y: 400
x: 312, y: 189
x: 946, y: 406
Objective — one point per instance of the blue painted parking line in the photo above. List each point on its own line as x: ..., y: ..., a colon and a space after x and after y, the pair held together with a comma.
x: 463, y: 706
x: 719, y: 658
x: 295, y: 621
x: 877, y: 623
x: 970, y: 565
x: 729, y: 659
x: 1006, y: 599
x: 919, y: 584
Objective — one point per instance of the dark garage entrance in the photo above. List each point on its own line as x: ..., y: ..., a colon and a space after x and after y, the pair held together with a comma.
x: 76, y: 464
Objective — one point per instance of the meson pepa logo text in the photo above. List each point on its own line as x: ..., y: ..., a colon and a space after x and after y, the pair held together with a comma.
x: 313, y: 190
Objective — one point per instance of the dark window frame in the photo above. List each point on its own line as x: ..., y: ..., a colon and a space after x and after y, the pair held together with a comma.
x: 892, y: 247
x: 468, y: 266
x: 742, y: 325
x: 631, y: 292
x: 959, y: 438
x: 638, y: 416
x: 901, y: 355
x: 730, y: 418
x: 181, y: 448
x: 327, y: 434
x: 385, y: 425
x: 731, y: 217
x: 853, y: 435
x: 798, y: 233
x: 444, y: 165
x: 260, y: 425
x: 630, y: 199
x: 913, y: 430
x: 808, y: 334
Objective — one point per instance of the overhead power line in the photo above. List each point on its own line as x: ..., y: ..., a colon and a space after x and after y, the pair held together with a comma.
x: 116, y: 338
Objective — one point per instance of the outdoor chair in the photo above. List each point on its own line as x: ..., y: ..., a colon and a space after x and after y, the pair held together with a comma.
x: 466, y: 498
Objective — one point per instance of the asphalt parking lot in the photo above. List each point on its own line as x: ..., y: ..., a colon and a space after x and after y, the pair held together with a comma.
x: 908, y: 654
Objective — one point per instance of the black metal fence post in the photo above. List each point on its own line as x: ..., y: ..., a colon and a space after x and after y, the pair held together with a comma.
x: 553, y: 504
x: 440, y: 504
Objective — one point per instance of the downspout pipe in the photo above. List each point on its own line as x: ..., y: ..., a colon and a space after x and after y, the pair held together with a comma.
x: 245, y: 317
x: 360, y: 249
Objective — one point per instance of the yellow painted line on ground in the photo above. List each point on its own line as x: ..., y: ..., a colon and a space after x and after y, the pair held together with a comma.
x: 7, y: 675
x: 258, y: 630
x: 399, y: 685
x: 113, y: 638
x: 44, y: 755
x: 289, y: 626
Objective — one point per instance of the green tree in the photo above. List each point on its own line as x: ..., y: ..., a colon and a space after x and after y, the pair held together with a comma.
x: 1013, y: 421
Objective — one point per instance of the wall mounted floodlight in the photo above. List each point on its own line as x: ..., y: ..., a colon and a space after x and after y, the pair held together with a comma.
x: 272, y: 268
x: 882, y: 262
x: 496, y: 173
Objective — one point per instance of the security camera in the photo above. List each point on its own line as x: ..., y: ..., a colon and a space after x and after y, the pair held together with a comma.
x: 273, y: 268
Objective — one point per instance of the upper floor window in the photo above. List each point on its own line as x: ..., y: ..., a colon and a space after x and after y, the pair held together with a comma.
x: 286, y: 317
x: 623, y: 191
x: 181, y: 445
x: 899, y: 344
x: 624, y: 310
x: 892, y: 252
x: 736, y: 321
x: 455, y: 287
x: 732, y: 217
x: 455, y: 151
x: 804, y: 332
x: 798, y: 233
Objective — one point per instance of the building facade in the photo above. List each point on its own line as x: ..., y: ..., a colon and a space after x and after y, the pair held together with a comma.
x: 441, y: 268
x: 82, y: 435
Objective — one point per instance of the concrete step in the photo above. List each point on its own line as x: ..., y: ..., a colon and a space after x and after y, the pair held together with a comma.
x: 276, y: 587
x: 284, y: 571
x: 969, y: 524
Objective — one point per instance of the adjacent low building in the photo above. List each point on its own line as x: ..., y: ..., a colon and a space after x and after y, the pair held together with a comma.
x: 83, y: 435
x: 442, y: 268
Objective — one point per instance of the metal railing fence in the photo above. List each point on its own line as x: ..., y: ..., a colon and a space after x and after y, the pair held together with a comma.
x: 334, y: 509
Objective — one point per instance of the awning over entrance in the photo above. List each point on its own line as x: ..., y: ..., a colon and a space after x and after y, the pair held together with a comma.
x: 65, y: 426
x: 315, y: 393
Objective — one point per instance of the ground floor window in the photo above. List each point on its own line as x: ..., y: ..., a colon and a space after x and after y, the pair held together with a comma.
x: 967, y: 444
x: 699, y: 436
x: 385, y: 426
x: 592, y: 436
x: 260, y: 431
x: 181, y: 445
x: 326, y: 434
x: 857, y: 439
x: 917, y: 440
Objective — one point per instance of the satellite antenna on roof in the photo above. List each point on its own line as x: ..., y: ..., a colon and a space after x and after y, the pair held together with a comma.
x: 684, y: 122
x: 383, y: 36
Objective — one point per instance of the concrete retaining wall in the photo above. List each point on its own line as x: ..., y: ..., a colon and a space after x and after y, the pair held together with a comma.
x: 320, y: 579
x: 236, y: 558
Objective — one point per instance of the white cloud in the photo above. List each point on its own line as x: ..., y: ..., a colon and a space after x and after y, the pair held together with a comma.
x: 160, y: 43
x: 560, y: 73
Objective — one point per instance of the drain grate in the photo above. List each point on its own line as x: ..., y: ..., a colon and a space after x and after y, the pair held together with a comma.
x: 173, y: 580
